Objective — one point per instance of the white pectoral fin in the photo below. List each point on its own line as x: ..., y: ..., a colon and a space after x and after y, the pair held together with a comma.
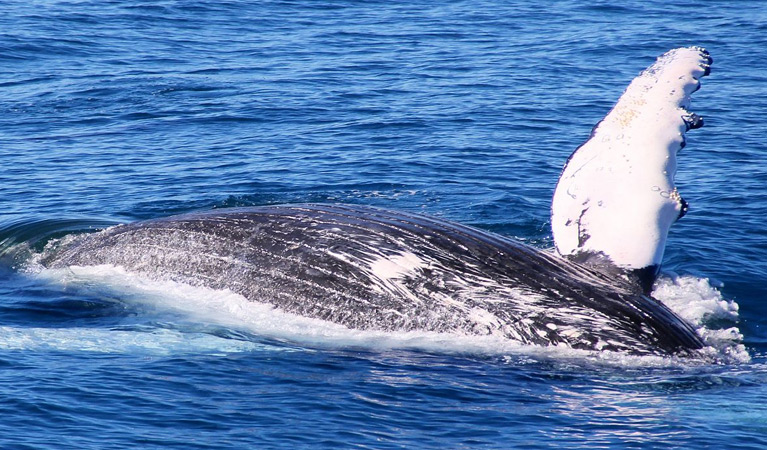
x: 616, y: 195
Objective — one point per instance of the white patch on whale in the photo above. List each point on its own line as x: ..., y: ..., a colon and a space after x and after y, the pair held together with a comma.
x: 396, y: 266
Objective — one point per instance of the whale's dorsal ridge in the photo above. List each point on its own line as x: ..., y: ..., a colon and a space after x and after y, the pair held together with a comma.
x: 616, y: 196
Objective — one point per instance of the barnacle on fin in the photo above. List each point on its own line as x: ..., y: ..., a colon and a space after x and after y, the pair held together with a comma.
x: 692, y: 120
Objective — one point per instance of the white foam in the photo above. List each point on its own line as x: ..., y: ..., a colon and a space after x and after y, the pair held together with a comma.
x: 694, y: 299
x: 154, y: 342
x: 702, y: 305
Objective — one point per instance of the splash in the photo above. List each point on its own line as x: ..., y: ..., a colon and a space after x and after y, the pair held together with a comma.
x: 701, y: 304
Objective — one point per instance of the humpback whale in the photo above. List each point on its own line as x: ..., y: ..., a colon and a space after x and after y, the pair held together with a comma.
x: 375, y: 269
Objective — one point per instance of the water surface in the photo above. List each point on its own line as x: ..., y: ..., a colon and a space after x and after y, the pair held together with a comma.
x: 117, y: 111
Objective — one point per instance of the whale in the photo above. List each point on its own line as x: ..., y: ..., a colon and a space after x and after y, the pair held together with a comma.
x: 370, y: 268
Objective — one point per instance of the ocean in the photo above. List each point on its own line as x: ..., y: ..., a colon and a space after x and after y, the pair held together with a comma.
x: 118, y: 111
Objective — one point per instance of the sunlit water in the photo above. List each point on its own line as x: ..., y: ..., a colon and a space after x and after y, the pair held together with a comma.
x: 118, y: 111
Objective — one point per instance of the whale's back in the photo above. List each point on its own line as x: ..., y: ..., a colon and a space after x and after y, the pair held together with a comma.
x: 368, y: 268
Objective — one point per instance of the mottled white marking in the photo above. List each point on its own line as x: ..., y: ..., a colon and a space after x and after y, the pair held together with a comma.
x: 396, y: 266
x: 484, y: 317
x: 571, y: 333
x: 616, y: 195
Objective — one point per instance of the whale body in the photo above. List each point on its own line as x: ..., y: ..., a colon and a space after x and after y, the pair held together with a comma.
x: 375, y: 269
x: 368, y: 268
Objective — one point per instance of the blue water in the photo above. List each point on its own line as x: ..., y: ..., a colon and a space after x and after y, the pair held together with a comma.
x: 115, y: 111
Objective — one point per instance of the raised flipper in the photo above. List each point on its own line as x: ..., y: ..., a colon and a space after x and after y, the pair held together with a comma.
x: 616, y: 199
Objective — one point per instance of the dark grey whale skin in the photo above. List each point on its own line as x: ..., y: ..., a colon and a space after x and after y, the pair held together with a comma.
x: 329, y: 262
